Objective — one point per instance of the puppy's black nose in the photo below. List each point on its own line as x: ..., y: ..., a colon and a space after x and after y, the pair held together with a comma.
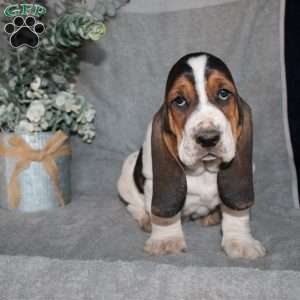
x: 208, y: 138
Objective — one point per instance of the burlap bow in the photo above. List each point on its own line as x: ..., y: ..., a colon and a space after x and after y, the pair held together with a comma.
x: 25, y: 155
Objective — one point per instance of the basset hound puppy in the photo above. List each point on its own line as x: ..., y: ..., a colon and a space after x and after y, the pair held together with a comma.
x: 196, y: 161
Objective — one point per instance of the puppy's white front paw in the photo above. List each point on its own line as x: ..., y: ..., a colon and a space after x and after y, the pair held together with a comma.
x: 243, y: 248
x: 170, y: 245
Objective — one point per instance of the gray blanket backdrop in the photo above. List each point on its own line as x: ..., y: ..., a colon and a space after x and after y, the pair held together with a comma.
x: 124, y: 76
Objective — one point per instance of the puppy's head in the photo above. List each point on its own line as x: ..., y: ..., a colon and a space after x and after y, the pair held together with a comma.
x: 202, y: 119
x: 203, y: 109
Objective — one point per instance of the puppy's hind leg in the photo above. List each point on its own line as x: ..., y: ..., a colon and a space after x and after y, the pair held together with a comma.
x: 141, y: 217
x: 130, y: 194
x: 213, y: 218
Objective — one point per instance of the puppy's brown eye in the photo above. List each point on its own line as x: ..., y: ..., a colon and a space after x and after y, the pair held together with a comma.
x: 223, y: 94
x: 180, y: 102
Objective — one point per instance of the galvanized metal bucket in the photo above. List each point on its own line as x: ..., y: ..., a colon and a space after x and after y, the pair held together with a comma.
x: 36, y: 187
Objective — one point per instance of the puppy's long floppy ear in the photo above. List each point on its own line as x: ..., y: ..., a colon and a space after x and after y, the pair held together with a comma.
x: 235, y: 179
x: 169, y: 181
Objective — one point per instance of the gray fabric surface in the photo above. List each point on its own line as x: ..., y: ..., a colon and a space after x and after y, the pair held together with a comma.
x: 158, y: 6
x: 103, y: 230
x: 124, y: 76
x: 25, y: 278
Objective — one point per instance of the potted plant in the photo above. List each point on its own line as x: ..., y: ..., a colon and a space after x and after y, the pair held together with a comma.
x: 39, y: 109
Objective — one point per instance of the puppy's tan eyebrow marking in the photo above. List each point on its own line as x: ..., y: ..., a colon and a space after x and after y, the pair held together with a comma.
x: 184, y: 87
x: 217, y: 80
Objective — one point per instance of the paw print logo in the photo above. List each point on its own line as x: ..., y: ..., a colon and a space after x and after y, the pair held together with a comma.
x: 24, y: 32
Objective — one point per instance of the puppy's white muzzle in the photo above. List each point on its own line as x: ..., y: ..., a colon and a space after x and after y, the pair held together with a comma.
x: 207, y: 135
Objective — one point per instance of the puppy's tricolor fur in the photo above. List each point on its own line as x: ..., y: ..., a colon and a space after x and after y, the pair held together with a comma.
x: 196, y: 161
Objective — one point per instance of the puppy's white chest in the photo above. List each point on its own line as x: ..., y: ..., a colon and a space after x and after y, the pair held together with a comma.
x: 202, y: 194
